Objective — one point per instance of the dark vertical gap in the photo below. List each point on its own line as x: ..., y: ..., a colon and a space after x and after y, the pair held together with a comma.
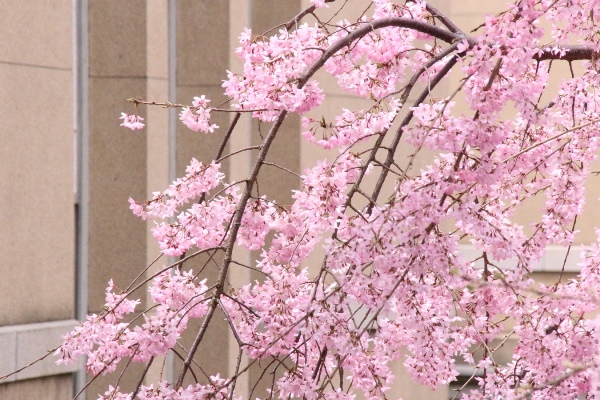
x: 81, y: 129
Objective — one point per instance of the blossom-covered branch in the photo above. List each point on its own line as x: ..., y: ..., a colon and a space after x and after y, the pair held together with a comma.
x: 392, y: 282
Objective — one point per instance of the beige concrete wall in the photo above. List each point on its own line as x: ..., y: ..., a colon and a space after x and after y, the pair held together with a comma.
x: 56, y: 387
x: 117, y: 163
x: 202, y: 59
x: 37, y: 205
x: 36, y: 162
x: 157, y: 118
x: 117, y: 156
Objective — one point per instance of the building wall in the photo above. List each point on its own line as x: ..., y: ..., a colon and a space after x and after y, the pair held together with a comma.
x: 37, y: 236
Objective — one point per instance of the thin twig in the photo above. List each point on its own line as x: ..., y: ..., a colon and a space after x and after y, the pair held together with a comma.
x: 533, y: 146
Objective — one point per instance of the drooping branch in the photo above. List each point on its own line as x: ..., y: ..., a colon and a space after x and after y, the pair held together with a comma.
x: 399, y: 132
x: 294, y: 21
x: 398, y: 22
x: 406, y: 93
x: 235, y: 225
x: 445, y: 20
x: 566, y: 53
x: 412, y: 251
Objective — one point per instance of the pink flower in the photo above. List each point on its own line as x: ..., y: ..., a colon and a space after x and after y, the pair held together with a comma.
x: 197, y: 118
x: 132, y: 122
x: 349, y: 282
x: 320, y: 3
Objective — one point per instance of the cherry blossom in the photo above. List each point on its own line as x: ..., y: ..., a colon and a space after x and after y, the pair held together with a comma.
x: 364, y: 269
x: 197, y: 117
x: 133, y: 122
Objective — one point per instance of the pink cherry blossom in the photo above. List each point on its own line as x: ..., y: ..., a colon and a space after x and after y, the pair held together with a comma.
x: 364, y: 266
x: 133, y: 122
x: 197, y: 117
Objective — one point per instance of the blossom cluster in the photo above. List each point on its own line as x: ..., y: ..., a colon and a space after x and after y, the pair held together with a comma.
x: 133, y: 122
x: 351, y: 127
x: 197, y: 117
x: 199, y: 180
x: 272, y: 69
x: 165, y: 391
x: 364, y: 268
x: 106, y: 338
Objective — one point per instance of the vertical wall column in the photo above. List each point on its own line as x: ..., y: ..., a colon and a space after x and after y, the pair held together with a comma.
x: 117, y: 156
x: 81, y: 127
x: 240, y: 16
x: 260, y: 16
x: 201, y: 30
x: 159, y: 131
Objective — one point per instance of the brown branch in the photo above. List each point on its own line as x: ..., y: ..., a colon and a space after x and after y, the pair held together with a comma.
x: 407, y: 90
x: 188, y: 360
x: 282, y: 168
x: 234, y: 228
x: 574, y: 371
x: 390, y: 157
x: 141, y: 381
x: 571, y: 53
x: 423, y: 27
x: 558, y: 135
x: 232, y: 125
x: 50, y: 352
x: 443, y: 19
